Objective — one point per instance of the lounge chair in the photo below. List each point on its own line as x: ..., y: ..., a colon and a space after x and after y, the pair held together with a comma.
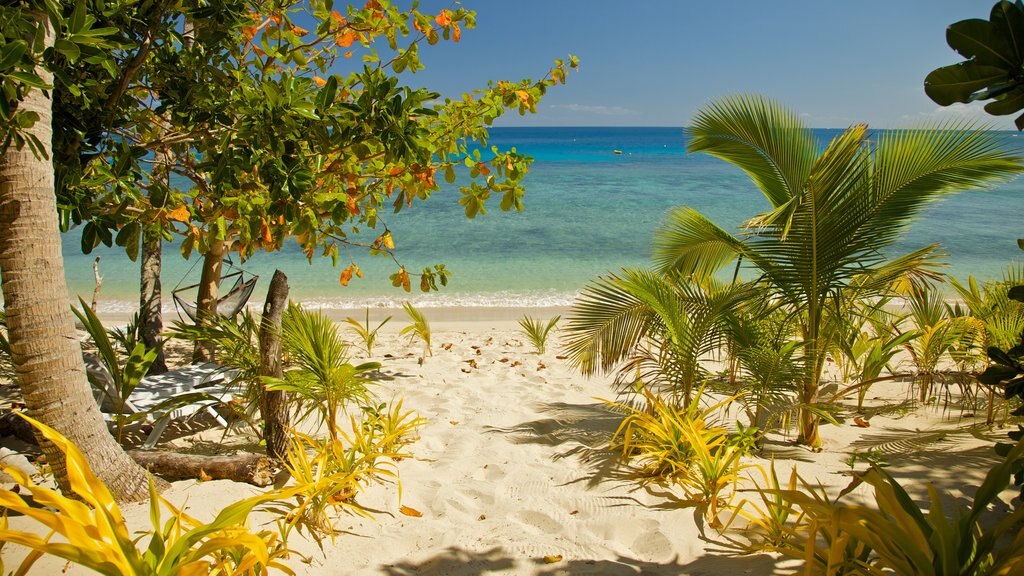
x: 195, y: 387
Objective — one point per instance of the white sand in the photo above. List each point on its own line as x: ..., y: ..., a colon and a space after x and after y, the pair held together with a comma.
x: 512, y: 467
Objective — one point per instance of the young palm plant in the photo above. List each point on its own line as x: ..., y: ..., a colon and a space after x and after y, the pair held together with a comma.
x: 536, y: 331
x: 832, y: 213
x: 660, y: 324
x: 418, y: 326
x: 365, y: 333
x: 320, y: 377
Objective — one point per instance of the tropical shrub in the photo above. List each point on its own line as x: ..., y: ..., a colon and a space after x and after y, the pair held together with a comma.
x: 98, y: 539
x: 124, y: 377
x: 418, y: 326
x: 683, y: 446
x: 319, y: 377
x: 367, y: 335
x: 536, y: 331
x: 332, y: 471
x: 898, y: 537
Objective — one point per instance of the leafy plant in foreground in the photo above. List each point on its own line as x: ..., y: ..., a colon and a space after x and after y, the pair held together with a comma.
x: 333, y: 471
x: 320, y: 377
x: 368, y: 336
x: 536, y: 331
x: 683, y: 446
x: 97, y: 537
x: 898, y: 537
x: 124, y: 379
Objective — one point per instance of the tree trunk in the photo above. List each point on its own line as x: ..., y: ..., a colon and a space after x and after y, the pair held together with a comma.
x: 44, y: 346
x: 151, y: 323
x: 275, y: 402
x: 251, y: 468
x: 206, y: 305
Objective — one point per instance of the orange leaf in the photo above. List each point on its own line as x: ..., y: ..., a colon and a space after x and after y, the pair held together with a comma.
x: 338, y: 17
x: 345, y: 40
x: 300, y: 31
x: 483, y: 169
x: 180, y: 214
x: 249, y: 32
x: 353, y: 208
x: 346, y: 276
x: 410, y: 511
x: 553, y: 559
x: 862, y: 423
x: 524, y: 96
x: 319, y: 81
x: 265, y: 232
x: 444, y: 18
x: 348, y: 54
x: 203, y: 476
x: 456, y: 32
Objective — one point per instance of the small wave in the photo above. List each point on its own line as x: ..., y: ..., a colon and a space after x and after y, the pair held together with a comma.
x: 509, y: 299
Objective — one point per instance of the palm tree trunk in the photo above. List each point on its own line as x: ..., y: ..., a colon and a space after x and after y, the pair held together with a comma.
x: 151, y: 322
x: 206, y: 306
x: 274, y: 404
x: 44, y: 346
x: 808, y: 421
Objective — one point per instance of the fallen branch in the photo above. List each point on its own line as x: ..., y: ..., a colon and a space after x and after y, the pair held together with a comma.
x: 252, y: 468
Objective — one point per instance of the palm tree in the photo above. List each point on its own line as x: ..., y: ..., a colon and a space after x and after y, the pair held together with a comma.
x: 660, y: 324
x: 43, y: 346
x: 833, y: 211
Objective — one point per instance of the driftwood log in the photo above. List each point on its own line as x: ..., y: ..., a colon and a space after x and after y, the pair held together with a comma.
x: 252, y: 468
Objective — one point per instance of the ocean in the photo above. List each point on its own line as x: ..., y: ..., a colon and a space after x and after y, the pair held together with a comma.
x: 589, y: 211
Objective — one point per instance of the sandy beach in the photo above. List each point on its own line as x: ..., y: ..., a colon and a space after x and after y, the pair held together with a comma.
x: 512, y: 468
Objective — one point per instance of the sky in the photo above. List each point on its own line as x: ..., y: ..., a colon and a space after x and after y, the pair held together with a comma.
x: 656, y: 62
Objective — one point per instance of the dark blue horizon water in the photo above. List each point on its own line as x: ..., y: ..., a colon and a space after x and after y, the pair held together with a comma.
x: 589, y: 211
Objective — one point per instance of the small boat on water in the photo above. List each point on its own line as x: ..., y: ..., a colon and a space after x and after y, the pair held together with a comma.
x: 617, y: 151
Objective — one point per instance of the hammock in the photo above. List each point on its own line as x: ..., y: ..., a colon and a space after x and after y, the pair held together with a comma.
x: 228, y: 305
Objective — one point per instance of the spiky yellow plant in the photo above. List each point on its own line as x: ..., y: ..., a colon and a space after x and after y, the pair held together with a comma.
x: 98, y: 539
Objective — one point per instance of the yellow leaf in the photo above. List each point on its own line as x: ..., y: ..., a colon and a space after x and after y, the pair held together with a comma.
x: 346, y: 276
x: 552, y: 559
x: 387, y: 241
x: 524, y: 96
x: 410, y: 511
x: 203, y: 476
x: 319, y: 81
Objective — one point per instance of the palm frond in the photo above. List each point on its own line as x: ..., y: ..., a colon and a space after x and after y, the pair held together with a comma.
x: 688, y: 243
x: 767, y: 141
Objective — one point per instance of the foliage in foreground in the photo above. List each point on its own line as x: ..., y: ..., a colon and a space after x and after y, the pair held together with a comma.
x: 320, y: 378
x: 684, y: 446
x: 332, y: 471
x: 366, y: 334
x: 98, y: 539
x: 895, y: 536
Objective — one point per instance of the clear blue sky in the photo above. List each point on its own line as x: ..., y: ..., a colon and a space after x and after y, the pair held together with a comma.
x: 655, y: 62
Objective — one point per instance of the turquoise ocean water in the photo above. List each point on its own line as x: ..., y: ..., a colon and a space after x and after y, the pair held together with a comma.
x: 588, y: 211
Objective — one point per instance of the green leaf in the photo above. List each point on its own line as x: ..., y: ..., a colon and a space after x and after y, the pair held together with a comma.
x: 12, y: 53
x: 68, y: 48
x: 976, y: 38
x: 995, y: 374
x: 29, y: 79
x: 1016, y: 293
x: 956, y: 83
